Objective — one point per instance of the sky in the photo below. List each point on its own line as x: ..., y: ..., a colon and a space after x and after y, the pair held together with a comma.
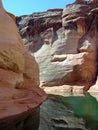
x: 24, y: 7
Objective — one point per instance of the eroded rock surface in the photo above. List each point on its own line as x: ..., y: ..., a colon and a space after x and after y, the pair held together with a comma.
x: 15, y: 63
x: 64, y: 43
x: 20, y: 95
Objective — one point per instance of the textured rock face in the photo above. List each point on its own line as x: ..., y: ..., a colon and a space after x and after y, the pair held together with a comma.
x: 19, y: 108
x: 11, y: 52
x: 15, y: 63
x: 64, y: 43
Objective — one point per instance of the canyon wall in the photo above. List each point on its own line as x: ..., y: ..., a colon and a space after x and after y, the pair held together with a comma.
x: 20, y: 95
x: 64, y: 42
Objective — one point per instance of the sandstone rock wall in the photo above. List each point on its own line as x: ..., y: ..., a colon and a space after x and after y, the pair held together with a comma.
x: 19, y: 108
x: 11, y: 52
x: 64, y: 43
x: 15, y: 64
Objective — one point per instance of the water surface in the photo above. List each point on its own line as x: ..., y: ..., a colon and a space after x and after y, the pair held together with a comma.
x: 69, y: 113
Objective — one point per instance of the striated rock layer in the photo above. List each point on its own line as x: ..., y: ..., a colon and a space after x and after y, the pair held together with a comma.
x: 64, y: 43
x: 19, y: 108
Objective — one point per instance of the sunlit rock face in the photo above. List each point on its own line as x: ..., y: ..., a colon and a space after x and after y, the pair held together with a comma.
x: 15, y: 64
x: 11, y: 52
x: 12, y: 16
x: 64, y: 43
x: 20, y: 95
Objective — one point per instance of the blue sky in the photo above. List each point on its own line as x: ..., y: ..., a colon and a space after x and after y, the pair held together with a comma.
x: 23, y: 7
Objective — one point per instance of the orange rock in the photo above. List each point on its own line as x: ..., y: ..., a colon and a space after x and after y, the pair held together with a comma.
x: 12, y: 16
x: 16, y: 105
x: 15, y: 64
x: 11, y: 51
x: 31, y: 70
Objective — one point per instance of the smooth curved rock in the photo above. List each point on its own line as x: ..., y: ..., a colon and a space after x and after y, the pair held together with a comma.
x: 12, y: 16
x: 15, y: 62
x: 20, y: 95
x: 31, y: 70
x: 11, y: 51
x: 19, y: 108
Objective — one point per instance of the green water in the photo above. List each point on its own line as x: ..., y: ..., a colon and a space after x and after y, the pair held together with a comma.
x: 85, y: 106
x: 69, y: 113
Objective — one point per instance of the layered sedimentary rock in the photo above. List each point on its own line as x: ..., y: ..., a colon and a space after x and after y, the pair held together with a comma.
x: 15, y: 63
x: 20, y: 95
x: 64, y: 43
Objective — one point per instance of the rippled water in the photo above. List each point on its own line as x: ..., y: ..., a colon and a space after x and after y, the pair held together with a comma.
x: 69, y: 113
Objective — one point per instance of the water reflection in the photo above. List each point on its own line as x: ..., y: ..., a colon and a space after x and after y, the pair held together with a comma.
x: 85, y: 106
